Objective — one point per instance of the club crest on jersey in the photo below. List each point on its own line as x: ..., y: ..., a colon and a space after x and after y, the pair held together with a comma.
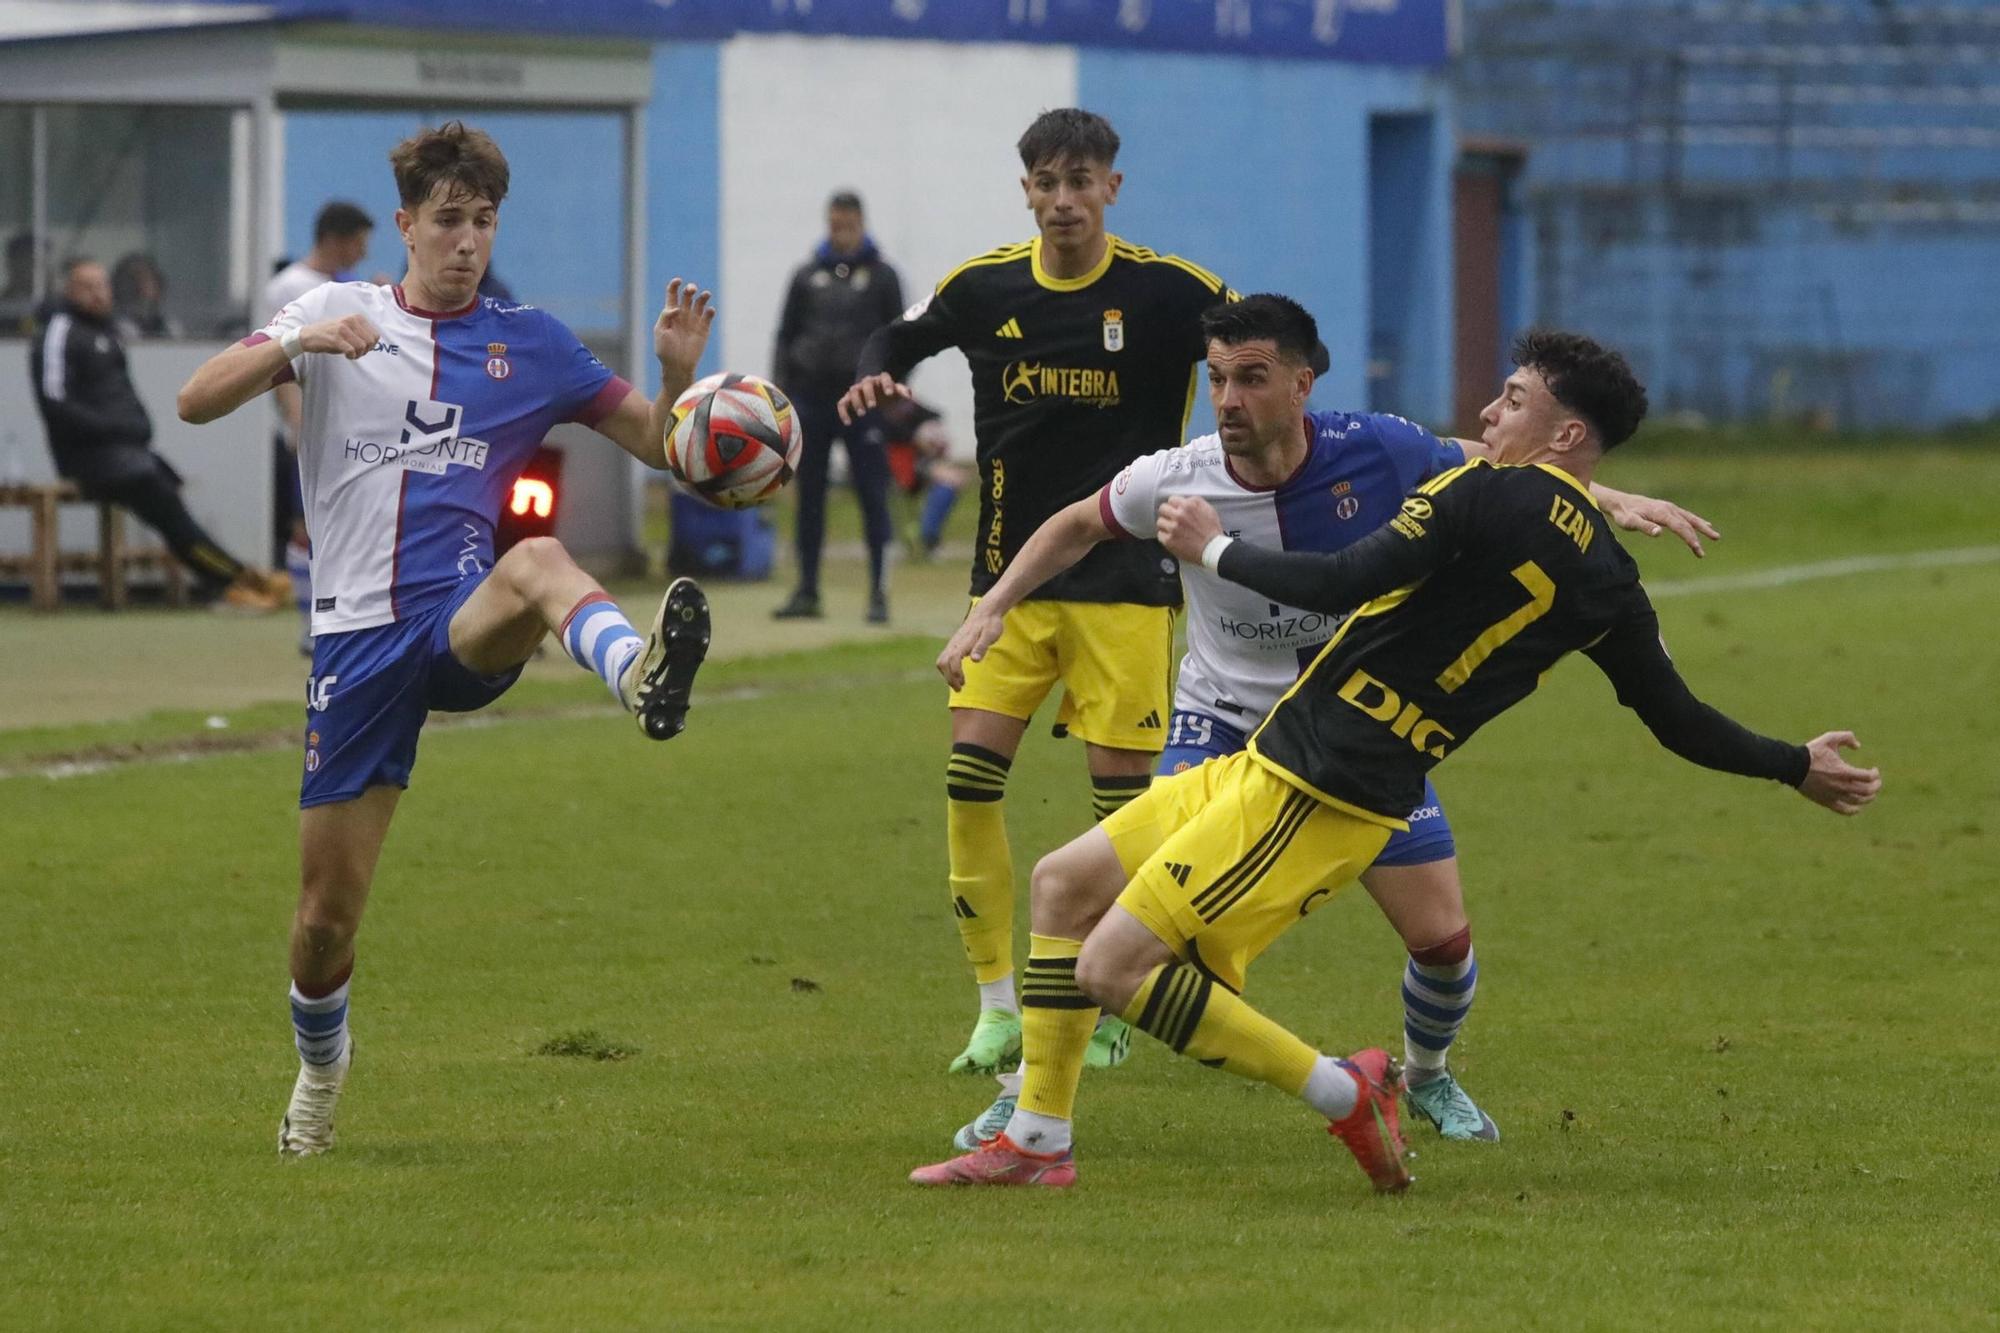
x: 1114, y: 330
x: 1346, y: 507
x: 496, y: 361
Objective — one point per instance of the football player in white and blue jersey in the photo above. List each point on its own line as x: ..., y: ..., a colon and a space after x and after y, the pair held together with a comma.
x: 423, y: 402
x: 1286, y: 479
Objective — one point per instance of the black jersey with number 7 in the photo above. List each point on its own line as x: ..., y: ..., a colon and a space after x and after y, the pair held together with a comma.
x: 1485, y: 580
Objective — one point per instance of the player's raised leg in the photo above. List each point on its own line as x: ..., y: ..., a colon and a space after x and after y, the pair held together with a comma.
x: 981, y: 867
x: 536, y: 587
x: 1425, y: 902
x: 339, y: 844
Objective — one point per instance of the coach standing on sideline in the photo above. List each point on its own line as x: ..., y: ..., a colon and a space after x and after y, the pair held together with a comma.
x: 836, y: 299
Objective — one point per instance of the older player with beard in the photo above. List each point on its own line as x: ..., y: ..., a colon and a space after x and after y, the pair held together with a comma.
x: 1294, y: 480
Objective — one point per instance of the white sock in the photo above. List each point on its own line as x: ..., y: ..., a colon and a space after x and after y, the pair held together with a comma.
x: 998, y: 995
x: 1036, y: 1133
x: 1331, y: 1088
x: 1010, y: 1084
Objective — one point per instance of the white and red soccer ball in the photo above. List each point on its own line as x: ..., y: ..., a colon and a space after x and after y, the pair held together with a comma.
x: 733, y: 440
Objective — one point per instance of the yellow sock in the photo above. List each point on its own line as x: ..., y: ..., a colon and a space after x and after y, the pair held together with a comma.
x: 981, y: 864
x: 1056, y: 1022
x: 1205, y: 1022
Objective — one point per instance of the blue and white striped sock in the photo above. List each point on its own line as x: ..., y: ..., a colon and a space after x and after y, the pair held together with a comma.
x: 599, y: 638
x: 1438, y: 986
x: 319, y: 1026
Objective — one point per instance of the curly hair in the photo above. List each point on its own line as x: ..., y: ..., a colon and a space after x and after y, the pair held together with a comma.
x: 1589, y: 379
x: 464, y: 160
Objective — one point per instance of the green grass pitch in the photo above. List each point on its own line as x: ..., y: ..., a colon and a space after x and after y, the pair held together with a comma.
x: 649, y: 1035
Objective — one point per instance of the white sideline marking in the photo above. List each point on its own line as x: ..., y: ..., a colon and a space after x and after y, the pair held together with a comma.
x: 1785, y: 575
x: 1777, y: 577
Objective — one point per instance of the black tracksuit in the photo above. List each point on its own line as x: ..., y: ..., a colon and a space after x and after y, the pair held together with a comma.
x: 101, y: 437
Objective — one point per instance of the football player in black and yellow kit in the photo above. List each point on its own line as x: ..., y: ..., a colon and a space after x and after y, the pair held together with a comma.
x: 1487, y: 577
x: 1084, y: 350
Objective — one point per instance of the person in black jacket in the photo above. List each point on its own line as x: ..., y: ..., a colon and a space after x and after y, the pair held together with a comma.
x: 101, y: 436
x: 837, y: 298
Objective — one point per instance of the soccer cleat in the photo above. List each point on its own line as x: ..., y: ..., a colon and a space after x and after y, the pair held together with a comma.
x: 656, y: 685
x: 995, y: 1040
x: 1370, y: 1130
x: 307, y: 1128
x: 878, y: 607
x: 1110, y: 1044
x: 1443, y: 1102
x: 249, y: 593
x: 800, y: 605
x: 1001, y: 1163
x: 989, y: 1125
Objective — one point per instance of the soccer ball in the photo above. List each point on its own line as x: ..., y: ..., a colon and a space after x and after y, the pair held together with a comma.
x: 733, y: 440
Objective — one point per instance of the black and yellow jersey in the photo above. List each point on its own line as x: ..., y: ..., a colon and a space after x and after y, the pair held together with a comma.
x: 1073, y: 378
x: 1485, y: 579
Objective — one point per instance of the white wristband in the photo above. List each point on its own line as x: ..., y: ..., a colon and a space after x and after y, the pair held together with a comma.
x: 292, y: 344
x: 1212, y: 552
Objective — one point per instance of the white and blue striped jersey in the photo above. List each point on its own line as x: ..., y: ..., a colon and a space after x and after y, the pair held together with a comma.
x: 1244, y: 651
x: 407, y: 453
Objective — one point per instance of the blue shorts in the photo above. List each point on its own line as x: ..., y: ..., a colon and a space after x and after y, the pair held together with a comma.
x: 369, y: 693
x: 1195, y: 738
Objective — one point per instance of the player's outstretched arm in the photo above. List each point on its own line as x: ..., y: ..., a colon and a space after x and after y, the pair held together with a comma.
x: 235, y: 375
x: 1636, y: 662
x: 892, y: 352
x: 680, y: 336
x: 1643, y: 513
x: 1631, y: 511
x: 1054, y: 547
x: 1329, y: 582
x: 1833, y: 782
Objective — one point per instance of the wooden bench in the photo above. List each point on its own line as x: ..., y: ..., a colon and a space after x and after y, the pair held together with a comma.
x: 112, y: 562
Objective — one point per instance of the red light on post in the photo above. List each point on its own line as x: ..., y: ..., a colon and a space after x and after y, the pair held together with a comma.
x: 534, y: 496
x: 529, y: 509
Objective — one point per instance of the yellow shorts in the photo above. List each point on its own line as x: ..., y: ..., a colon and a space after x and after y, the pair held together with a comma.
x: 1115, y: 661
x: 1225, y: 857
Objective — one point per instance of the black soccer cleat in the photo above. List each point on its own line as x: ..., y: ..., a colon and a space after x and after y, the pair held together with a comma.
x: 664, y: 673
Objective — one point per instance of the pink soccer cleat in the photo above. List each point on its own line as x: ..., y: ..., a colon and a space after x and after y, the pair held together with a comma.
x: 1371, y: 1130
x: 999, y: 1162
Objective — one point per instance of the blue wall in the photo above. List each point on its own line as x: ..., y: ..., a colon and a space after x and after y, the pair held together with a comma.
x: 1259, y: 170
x: 683, y: 175
x: 561, y: 239
x: 1765, y: 230
x: 1263, y: 177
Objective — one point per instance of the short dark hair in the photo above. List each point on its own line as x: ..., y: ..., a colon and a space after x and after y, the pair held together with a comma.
x: 1264, y: 315
x: 1069, y: 134
x: 847, y: 201
x: 340, y: 220
x: 464, y: 160
x: 1587, y: 378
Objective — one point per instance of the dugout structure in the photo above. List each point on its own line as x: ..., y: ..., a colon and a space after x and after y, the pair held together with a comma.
x: 161, y: 128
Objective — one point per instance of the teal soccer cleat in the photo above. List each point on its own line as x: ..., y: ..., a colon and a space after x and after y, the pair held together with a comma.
x: 1442, y: 1102
x: 987, y: 1127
